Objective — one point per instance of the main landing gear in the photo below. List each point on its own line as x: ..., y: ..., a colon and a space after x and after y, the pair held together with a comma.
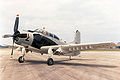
x: 50, y: 61
x: 21, y: 59
x: 50, y: 54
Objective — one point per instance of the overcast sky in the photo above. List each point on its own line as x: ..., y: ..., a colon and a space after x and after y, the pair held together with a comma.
x: 97, y: 20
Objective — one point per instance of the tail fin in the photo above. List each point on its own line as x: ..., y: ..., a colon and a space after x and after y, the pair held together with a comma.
x: 77, y: 37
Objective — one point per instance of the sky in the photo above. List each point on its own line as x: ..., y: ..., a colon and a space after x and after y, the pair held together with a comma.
x: 97, y: 20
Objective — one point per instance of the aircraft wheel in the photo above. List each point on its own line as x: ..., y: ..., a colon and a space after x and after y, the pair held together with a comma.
x: 50, y: 61
x: 21, y: 59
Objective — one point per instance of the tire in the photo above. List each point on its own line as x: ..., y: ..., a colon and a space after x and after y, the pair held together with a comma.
x: 21, y: 59
x: 50, y: 61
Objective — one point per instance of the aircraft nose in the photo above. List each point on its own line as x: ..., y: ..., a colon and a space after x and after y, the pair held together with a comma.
x: 22, y: 38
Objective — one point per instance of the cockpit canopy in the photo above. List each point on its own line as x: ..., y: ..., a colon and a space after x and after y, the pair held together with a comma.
x: 45, y: 33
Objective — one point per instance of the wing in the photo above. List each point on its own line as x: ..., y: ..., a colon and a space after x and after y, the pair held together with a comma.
x: 94, y: 46
x: 76, y: 48
x: 70, y: 49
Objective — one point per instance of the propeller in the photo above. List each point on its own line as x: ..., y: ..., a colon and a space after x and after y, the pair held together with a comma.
x: 16, y: 23
x: 16, y: 32
x: 7, y: 36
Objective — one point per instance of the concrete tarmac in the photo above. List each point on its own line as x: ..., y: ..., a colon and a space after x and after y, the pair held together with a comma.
x: 102, y: 65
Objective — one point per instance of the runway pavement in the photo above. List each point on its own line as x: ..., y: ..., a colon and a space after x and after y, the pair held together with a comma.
x: 87, y: 66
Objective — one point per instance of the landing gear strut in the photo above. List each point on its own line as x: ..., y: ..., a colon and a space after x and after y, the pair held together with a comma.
x: 70, y: 57
x: 21, y: 59
x: 50, y: 54
x: 50, y: 61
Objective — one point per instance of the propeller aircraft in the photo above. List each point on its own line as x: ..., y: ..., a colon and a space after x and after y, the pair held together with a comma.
x: 44, y: 42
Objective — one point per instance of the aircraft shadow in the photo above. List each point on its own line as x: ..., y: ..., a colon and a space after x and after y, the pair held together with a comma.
x: 61, y: 62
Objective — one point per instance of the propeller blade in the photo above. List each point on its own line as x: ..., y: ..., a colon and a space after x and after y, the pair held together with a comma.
x: 16, y: 23
x: 12, y: 48
x: 7, y: 36
x: 12, y: 52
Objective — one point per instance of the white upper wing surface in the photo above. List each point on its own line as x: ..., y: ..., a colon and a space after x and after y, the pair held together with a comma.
x: 80, y: 47
x: 72, y: 48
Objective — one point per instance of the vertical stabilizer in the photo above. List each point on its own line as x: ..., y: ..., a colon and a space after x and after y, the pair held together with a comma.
x: 76, y: 38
